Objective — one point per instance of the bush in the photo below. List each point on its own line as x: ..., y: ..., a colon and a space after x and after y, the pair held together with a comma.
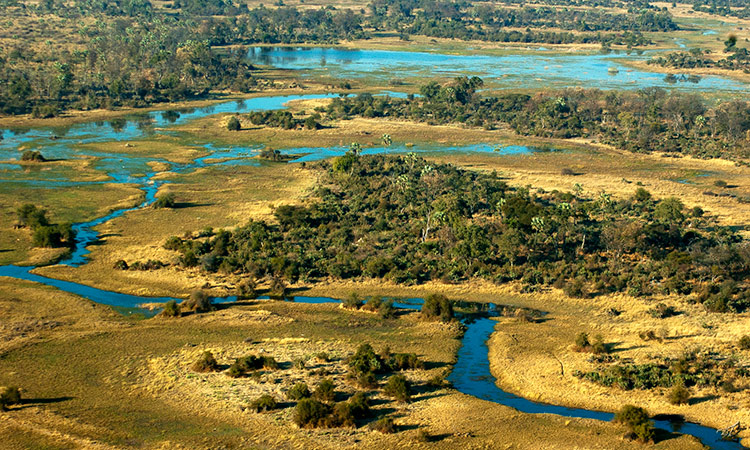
x: 310, y: 413
x: 165, y: 201
x: 199, y: 301
x: 206, y: 363
x: 679, y: 395
x: 398, y: 387
x: 365, y: 360
x: 662, y: 311
x: 263, y: 403
x: 325, y: 392
x: 576, y: 289
x: 9, y: 395
x: 582, y: 342
x: 242, y: 366
x: 171, y: 309
x: 121, y: 264
x: 360, y: 405
x: 637, y: 420
x: 386, y: 309
x: 353, y: 301
x: 405, y: 361
x: 367, y: 380
x: 246, y: 288
x: 33, y: 156
x: 233, y: 124
x: 298, y: 392
x: 31, y: 216
x: 437, y: 306
x: 384, y: 425
x: 744, y: 343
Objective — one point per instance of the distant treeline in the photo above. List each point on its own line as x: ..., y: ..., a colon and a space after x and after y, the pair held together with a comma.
x: 738, y: 59
x: 410, y: 221
x: 650, y: 119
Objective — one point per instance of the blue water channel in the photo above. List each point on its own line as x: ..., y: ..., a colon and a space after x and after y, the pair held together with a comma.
x: 470, y: 375
x: 526, y: 71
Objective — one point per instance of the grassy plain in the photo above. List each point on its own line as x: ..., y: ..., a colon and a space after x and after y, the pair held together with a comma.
x: 122, y: 383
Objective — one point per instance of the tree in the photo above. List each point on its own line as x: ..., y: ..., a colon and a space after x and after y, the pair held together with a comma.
x: 9, y: 395
x: 637, y: 420
x: 233, y: 124
x: 669, y: 210
x: 165, y: 201
x: 398, y: 387
x: 437, y: 306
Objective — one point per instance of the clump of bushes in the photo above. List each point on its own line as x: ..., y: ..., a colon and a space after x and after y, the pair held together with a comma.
x: 353, y: 301
x: 233, y: 124
x: 637, y: 421
x: 383, y: 307
x: 310, y: 413
x: 398, y: 387
x: 679, y: 394
x: 298, y: 392
x: 9, y: 395
x: 32, y: 156
x: 44, y: 233
x: 384, y: 425
x: 198, y: 302
x: 206, y: 363
x: 165, y: 201
x: 437, y: 307
x: 325, y: 392
x: 171, y: 309
x: 662, y: 311
x: 597, y: 346
x: 263, y: 403
x: 242, y: 366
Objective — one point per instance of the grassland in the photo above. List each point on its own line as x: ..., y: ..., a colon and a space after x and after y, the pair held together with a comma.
x: 122, y: 383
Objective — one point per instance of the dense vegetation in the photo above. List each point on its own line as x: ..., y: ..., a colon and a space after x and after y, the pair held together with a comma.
x: 738, y: 58
x: 44, y: 233
x: 645, y: 120
x: 136, y: 54
x: 410, y: 221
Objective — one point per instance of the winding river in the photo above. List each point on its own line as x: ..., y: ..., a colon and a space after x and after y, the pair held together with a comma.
x: 471, y: 374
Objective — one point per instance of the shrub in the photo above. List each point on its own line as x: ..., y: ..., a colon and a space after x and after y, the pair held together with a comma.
x: 598, y: 347
x: 353, y: 301
x: 398, y: 387
x: 325, y: 392
x: 576, y: 289
x: 121, y: 264
x: 365, y: 360
x: 642, y: 195
x: 744, y: 343
x: 298, y: 392
x: 206, y: 363
x: 384, y: 425
x: 437, y: 306
x: 278, y: 288
x: 341, y: 416
x: 33, y: 156
x: 165, y: 201
x: 199, y: 301
x: 9, y: 395
x: 637, y: 420
x: 405, y: 361
x: 567, y: 171
x: 720, y: 183
x: 367, y: 380
x: 360, y: 405
x: 246, y: 288
x: 263, y: 403
x: 662, y: 311
x: 582, y: 342
x: 171, y: 309
x: 310, y: 413
x: 233, y: 124
x: 242, y: 366
x: 386, y: 309
x: 679, y: 394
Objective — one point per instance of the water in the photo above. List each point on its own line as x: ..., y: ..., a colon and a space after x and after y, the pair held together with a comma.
x: 504, y: 71
x: 471, y: 373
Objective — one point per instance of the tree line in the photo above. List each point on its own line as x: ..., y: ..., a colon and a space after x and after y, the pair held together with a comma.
x: 410, y: 221
x: 644, y: 120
